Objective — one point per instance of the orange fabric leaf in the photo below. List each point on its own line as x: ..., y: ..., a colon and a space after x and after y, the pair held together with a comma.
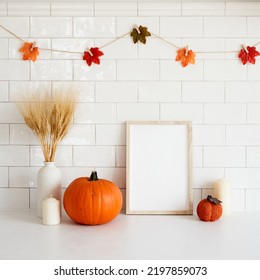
x: 29, y: 51
x: 185, y: 57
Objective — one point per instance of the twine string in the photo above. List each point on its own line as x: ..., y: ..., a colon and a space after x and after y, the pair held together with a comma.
x: 10, y: 32
x: 215, y: 52
x: 166, y: 41
x: 56, y: 50
x: 113, y: 41
x: 118, y: 38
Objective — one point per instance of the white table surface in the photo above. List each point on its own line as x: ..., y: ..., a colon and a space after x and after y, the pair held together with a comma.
x: 22, y: 236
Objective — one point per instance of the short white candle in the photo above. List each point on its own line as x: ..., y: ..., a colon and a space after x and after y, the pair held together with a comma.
x: 51, y: 211
x: 222, y: 192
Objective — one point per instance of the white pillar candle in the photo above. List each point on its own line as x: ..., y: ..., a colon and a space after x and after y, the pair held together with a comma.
x: 222, y: 192
x: 51, y: 211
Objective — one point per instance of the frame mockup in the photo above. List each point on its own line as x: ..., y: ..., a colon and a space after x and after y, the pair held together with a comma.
x: 159, y: 167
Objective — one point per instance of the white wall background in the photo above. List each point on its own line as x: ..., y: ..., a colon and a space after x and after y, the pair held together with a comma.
x: 134, y: 82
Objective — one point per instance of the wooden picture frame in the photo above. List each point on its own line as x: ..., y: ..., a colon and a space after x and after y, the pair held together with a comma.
x: 159, y: 167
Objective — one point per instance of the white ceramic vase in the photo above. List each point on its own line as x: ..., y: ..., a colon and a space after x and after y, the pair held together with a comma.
x: 48, y: 183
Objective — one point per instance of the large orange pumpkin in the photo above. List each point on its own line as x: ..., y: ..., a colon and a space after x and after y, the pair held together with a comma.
x: 92, y: 201
x: 209, y: 209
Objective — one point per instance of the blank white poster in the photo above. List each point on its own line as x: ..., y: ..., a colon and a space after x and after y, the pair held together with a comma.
x: 158, y: 168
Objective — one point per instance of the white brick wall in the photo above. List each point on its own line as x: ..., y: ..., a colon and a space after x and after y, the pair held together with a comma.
x: 224, y: 156
x: 14, y: 70
x: 224, y: 27
x: 134, y: 82
x: 63, y: 156
x: 3, y: 91
x: 187, y: 26
x: 51, y: 70
x: 3, y: 177
x: 95, y: 73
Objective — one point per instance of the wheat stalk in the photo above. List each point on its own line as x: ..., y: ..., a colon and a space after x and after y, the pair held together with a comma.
x: 50, y: 117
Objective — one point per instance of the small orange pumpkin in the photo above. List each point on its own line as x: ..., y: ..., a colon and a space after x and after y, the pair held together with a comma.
x: 92, y: 201
x: 209, y: 209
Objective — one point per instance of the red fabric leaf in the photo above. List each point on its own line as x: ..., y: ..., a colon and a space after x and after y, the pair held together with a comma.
x: 249, y: 55
x: 87, y: 57
x: 92, y: 56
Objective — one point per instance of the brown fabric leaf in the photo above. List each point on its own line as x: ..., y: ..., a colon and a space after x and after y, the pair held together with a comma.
x: 141, y: 37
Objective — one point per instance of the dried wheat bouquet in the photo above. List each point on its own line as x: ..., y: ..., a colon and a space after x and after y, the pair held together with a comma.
x: 49, y: 116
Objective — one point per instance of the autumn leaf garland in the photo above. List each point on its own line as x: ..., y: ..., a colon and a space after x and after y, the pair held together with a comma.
x: 139, y: 34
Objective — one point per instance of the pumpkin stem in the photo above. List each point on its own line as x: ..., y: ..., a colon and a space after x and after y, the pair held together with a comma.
x: 93, y: 176
x: 213, y: 199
